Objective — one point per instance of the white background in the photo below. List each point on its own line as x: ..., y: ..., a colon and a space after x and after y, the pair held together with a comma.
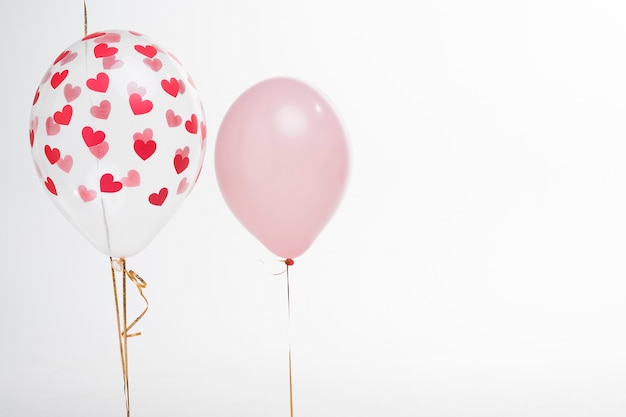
x: 474, y: 268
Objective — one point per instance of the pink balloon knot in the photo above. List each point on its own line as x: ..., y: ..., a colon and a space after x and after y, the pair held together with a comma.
x: 288, y: 261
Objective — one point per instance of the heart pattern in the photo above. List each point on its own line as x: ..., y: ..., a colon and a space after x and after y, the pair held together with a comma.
x: 138, y: 105
x: 86, y: 194
x: 70, y: 92
x: 82, y: 150
x: 102, y: 110
x: 158, y: 199
x: 100, y: 83
x: 64, y: 116
x: 109, y: 185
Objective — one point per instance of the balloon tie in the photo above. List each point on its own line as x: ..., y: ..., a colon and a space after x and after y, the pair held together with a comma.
x: 119, y: 265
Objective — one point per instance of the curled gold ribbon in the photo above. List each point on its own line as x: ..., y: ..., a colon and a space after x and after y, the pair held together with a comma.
x: 119, y: 265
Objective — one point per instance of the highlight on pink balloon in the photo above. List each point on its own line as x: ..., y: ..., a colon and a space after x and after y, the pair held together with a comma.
x: 282, y: 162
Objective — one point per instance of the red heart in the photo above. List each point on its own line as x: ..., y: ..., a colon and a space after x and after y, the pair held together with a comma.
x: 53, y: 154
x: 32, y: 138
x: 171, y: 87
x: 180, y: 163
x: 192, y: 125
x: 64, y: 116
x: 158, y: 199
x: 100, y: 83
x: 132, y: 180
x: 94, y: 35
x: 66, y: 163
x: 85, y: 194
x: 102, y: 50
x: 182, y: 186
x: 51, y: 127
x: 154, y: 64
x: 99, y: 150
x: 108, y: 185
x: 173, y: 119
x: 148, y: 50
x: 110, y: 62
x: 139, y: 105
x: 144, y: 137
x: 36, y: 97
x: 61, y: 56
x: 50, y: 185
x: 102, y: 111
x: 144, y: 149
x: 92, y: 138
x: 71, y: 93
x: 58, y: 78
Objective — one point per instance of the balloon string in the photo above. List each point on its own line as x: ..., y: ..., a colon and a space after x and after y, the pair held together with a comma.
x: 122, y: 322
x: 85, y: 16
x: 289, y: 262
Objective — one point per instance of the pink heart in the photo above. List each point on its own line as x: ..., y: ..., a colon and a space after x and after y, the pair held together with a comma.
x: 110, y: 62
x: 183, y: 152
x: 109, y: 37
x: 144, y: 137
x: 102, y: 111
x: 86, y: 194
x: 181, y: 86
x: 173, y: 119
x: 69, y: 58
x: 51, y: 127
x: 154, y: 64
x: 66, y: 163
x: 182, y: 186
x: 34, y: 124
x: 132, y: 180
x: 71, y: 93
x: 134, y: 88
x: 99, y: 150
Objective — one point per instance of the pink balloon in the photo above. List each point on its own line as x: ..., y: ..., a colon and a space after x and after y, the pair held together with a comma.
x: 281, y: 159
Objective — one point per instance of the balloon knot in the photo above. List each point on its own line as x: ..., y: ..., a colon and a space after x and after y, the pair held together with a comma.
x: 288, y: 261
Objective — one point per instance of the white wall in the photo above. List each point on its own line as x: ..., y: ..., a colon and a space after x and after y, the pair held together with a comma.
x: 475, y: 267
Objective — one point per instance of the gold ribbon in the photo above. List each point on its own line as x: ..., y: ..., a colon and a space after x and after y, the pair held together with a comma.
x: 119, y: 265
x: 85, y: 16
x: 288, y: 263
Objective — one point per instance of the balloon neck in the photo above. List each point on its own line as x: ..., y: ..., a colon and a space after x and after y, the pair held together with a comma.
x: 289, y: 262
